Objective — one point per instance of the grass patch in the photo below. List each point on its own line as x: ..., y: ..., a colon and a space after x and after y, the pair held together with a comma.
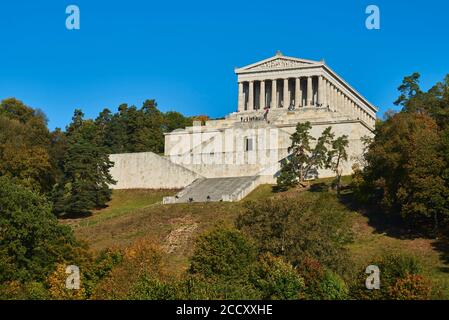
x: 123, y: 202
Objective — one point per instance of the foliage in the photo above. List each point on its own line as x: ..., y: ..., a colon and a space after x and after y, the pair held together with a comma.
x: 57, y: 285
x: 32, y: 240
x: 406, y: 165
x: 307, y: 155
x: 142, y: 259
x: 222, y: 253
x: 313, y: 274
x: 433, y: 103
x: 137, y: 130
x: 337, y: 156
x: 408, y: 161
x: 334, y: 287
x: 276, y: 279
x: 24, y: 145
x: 15, y: 290
x: 410, y: 287
x: 397, y: 271
x: 299, y: 228
x: 86, y: 178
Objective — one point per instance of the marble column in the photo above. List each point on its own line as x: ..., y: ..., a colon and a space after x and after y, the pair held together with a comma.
x: 298, y: 92
x: 334, y: 99
x: 347, y: 105
x: 309, y: 92
x: 262, y: 95
x: 325, y: 93
x: 241, y: 106
x: 286, y: 94
x: 274, y: 100
x: 320, y: 91
x: 251, y: 96
x: 331, y: 97
x: 338, y: 99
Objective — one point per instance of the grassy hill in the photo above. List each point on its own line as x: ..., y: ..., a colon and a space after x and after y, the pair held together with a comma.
x: 134, y: 214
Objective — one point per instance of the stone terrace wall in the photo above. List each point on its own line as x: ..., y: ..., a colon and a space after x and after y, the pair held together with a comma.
x: 148, y: 170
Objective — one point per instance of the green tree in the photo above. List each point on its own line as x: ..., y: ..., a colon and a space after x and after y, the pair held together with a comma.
x: 86, y: 182
x: 337, y: 156
x: 307, y: 155
x: 24, y: 145
x: 174, y: 120
x: 406, y: 164
x: 31, y: 239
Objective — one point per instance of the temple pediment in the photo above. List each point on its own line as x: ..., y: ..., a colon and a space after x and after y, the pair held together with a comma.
x: 278, y: 62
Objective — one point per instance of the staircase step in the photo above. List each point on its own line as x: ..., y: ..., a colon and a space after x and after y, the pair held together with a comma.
x: 216, y: 189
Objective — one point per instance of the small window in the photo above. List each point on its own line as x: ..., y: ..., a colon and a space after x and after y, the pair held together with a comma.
x: 249, y: 144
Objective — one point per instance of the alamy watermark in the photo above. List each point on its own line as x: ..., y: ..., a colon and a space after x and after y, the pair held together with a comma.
x: 373, y: 280
x: 72, y: 21
x: 372, y: 22
x: 73, y: 281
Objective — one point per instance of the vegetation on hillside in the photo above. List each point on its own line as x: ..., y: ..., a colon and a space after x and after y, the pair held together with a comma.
x: 297, y: 243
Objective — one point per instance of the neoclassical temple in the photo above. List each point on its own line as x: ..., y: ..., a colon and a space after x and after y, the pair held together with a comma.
x: 290, y: 83
x: 227, y: 158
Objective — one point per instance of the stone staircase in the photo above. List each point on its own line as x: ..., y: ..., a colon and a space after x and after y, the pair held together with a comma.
x: 216, y: 189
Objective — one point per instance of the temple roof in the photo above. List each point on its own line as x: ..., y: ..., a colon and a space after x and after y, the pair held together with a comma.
x: 278, y: 62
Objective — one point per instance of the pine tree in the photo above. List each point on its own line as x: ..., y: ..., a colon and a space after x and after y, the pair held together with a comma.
x: 86, y: 180
x: 337, y: 155
x: 303, y: 160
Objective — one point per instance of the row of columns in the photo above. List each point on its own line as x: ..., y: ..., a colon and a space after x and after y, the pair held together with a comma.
x: 325, y: 94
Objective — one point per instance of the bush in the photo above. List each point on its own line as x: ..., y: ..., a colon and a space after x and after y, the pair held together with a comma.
x: 197, y: 287
x: 277, y: 280
x: 223, y: 253
x: 299, y: 228
x: 57, y: 286
x: 151, y: 288
x: 396, y: 272
x: 411, y: 287
x: 98, y: 268
x: 333, y: 287
x: 142, y: 258
x: 15, y: 290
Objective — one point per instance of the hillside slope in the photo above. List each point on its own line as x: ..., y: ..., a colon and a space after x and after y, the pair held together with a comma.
x: 134, y: 214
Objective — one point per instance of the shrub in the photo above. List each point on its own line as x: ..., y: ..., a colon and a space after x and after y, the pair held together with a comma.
x: 333, y: 287
x: 198, y: 287
x: 396, y: 272
x: 142, y: 258
x: 100, y: 267
x: 223, y: 253
x: 277, y: 279
x: 298, y: 228
x: 15, y: 290
x: 148, y: 287
x: 411, y: 287
x: 57, y: 286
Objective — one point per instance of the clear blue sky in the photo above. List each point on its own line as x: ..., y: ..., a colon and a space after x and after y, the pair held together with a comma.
x: 183, y: 53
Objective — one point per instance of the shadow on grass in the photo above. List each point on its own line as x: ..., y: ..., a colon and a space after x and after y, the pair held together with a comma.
x: 442, y: 246
x: 383, y: 223
x: 319, y: 187
x: 395, y: 227
x: 75, y: 216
